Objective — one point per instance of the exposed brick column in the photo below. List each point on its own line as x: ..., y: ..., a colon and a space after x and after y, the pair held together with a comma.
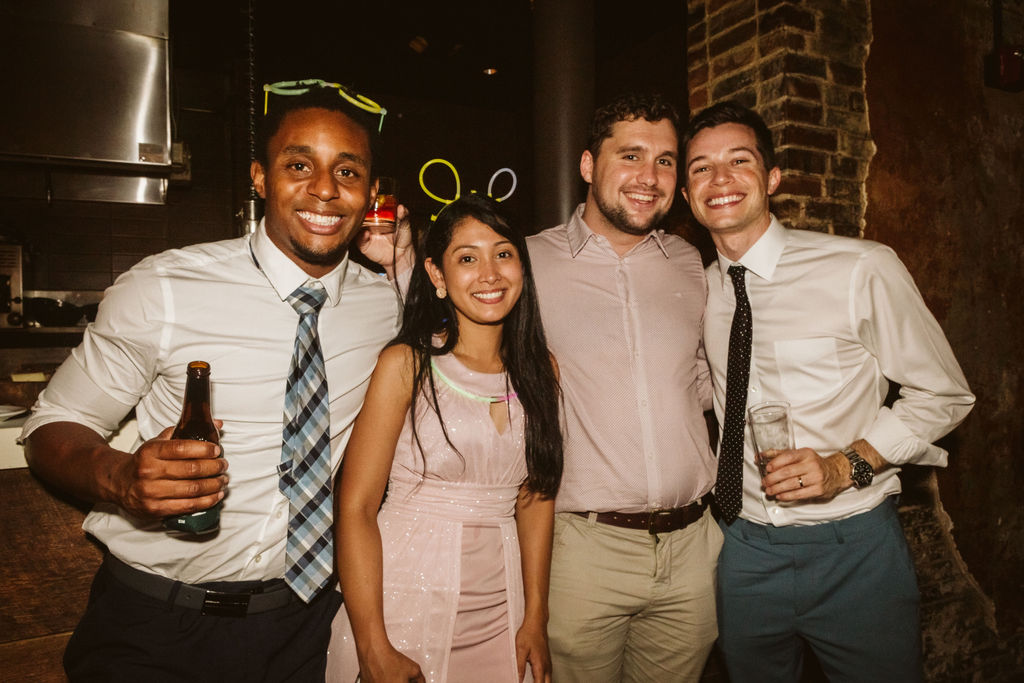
x: 801, y: 65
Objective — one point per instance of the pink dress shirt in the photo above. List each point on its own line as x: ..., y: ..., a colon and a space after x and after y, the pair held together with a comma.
x: 626, y: 332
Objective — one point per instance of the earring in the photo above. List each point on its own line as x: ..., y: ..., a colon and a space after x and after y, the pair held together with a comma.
x: 441, y: 292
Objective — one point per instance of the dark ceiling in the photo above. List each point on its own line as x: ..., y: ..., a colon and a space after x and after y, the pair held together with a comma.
x: 422, y: 49
x: 418, y: 49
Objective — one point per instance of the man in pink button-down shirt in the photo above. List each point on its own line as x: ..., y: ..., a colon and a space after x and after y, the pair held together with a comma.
x: 635, y: 549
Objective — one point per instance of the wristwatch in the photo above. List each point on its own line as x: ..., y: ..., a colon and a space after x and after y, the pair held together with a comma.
x: 861, y: 471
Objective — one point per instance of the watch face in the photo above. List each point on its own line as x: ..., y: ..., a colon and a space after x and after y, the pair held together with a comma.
x: 861, y: 473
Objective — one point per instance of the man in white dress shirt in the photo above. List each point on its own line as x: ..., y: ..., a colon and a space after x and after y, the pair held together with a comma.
x: 814, y: 550
x: 215, y: 607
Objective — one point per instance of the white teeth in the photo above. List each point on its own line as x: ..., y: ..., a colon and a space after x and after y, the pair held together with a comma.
x: 719, y: 201
x: 640, y: 197
x: 489, y: 296
x: 319, y: 219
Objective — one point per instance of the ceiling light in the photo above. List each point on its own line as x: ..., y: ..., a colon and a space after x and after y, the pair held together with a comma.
x: 418, y: 44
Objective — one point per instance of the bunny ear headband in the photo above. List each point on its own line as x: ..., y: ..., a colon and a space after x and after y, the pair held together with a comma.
x: 458, y: 185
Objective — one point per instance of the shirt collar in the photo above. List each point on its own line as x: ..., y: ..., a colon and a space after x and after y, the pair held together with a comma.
x: 285, y: 276
x: 762, y: 257
x: 579, y: 233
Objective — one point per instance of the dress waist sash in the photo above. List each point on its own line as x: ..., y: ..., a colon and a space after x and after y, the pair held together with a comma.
x: 462, y: 502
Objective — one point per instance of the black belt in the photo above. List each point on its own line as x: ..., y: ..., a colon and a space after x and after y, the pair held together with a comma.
x: 655, y: 521
x: 262, y: 598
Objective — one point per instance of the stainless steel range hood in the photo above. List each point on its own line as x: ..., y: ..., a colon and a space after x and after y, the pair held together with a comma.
x: 85, y: 85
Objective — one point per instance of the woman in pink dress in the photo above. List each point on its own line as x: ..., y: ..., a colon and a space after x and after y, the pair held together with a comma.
x: 447, y: 581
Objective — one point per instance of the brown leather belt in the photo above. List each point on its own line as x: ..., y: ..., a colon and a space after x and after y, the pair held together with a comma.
x: 655, y: 521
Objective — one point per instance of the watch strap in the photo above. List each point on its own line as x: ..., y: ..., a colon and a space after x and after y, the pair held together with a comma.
x: 861, y: 471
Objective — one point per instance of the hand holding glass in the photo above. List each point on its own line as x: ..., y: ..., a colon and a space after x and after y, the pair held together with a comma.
x: 772, y: 430
x: 380, y: 217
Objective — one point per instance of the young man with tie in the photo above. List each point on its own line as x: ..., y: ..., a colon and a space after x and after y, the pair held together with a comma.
x: 813, y: 550
x: 292, y: 329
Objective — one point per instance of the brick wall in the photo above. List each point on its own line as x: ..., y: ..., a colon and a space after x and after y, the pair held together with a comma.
x: 801, y: 65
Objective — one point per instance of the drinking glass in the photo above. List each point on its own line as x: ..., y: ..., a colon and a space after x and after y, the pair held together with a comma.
x: 381, y: 215
x: 772, y: 430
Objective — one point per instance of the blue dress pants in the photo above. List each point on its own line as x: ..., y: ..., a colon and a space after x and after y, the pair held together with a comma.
x: 847, y: 588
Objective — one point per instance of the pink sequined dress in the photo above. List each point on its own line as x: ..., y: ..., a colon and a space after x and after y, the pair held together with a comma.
x: 453, y: 586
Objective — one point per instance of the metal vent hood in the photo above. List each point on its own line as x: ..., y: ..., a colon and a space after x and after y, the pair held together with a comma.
x: 86, y: 111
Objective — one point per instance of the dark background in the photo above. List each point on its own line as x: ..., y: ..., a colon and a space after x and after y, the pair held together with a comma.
x: 423, y: 61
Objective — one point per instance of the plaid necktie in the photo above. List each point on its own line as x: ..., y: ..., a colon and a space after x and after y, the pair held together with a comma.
x: 729, y: 487
x: 306, y: 453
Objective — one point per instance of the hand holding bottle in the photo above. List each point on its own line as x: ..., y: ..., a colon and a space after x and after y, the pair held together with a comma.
x: 164, y: 478
x: 197, y: 425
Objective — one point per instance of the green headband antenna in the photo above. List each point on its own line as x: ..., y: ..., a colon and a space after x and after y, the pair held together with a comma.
x: 304, y: 86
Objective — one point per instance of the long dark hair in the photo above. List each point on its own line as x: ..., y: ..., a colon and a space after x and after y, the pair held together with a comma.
x: 524, y: 350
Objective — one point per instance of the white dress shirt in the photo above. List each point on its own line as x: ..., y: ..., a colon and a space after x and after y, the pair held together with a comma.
x: 224, y: 303
x: 626, y: 332
x: 834, y: 320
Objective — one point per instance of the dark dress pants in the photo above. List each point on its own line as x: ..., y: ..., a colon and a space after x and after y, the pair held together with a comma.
x: 131, y: 637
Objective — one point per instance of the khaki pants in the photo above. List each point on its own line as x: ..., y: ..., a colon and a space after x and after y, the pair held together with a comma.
x: 627, y: 607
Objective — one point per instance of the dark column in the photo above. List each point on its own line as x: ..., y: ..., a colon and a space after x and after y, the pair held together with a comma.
x: 563, y: 101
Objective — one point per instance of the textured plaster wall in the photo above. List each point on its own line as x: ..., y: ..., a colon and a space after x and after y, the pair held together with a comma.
x: 945, y: 190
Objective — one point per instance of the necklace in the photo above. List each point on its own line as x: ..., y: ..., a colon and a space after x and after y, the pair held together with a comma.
x: 459, y: 390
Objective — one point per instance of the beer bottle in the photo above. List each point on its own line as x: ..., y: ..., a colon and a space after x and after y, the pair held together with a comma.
x: 196, y: 423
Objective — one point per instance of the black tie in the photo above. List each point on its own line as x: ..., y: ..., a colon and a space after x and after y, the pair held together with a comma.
x: 729, y: 489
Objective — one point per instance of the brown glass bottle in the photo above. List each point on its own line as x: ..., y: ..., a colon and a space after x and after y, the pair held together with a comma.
x: 196, y: 423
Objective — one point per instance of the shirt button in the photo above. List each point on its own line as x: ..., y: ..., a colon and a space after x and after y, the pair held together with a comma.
x: 278, y: 514
x: 257, y: 558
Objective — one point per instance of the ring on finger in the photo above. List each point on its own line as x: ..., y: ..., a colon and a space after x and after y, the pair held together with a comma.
x: 800, y: 480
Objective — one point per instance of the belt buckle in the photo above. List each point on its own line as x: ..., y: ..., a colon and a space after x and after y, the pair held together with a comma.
x: 652, y: 516
x: 217, y: 604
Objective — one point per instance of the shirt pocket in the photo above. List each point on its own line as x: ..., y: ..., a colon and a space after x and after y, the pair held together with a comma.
x: 808, y: 368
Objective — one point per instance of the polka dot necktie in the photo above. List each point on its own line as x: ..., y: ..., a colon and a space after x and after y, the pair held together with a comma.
x: 305, y: 468
x: 729, y: 488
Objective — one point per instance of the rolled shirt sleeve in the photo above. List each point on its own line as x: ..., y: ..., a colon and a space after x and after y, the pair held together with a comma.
x: 896, y: 327
x: 104, y: 377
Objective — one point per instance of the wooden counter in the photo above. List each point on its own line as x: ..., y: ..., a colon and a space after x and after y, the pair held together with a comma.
x: 46, y: 566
